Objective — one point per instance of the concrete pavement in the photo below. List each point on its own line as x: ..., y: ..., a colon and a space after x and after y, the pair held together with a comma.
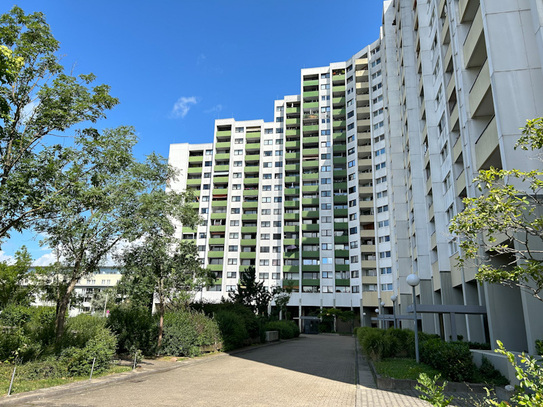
x: 315, y: 370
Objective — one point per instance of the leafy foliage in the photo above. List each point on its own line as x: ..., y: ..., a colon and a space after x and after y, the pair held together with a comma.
x: 453, y: 359
x: 287, y: 329
x: 164, y: 266
x: 135, y: 328
x: 233, y: 330
x: 431, y: 391
x: 187, y: 331
x: 252, y: 293
x: 507, y: 216
x: 38, y: 101
x: 12, y: 279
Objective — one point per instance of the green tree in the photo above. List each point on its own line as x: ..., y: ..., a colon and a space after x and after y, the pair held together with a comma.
x: 252, y: 293
x: 14, y: 289
x: 109, y: 198
x: 39, y: 103
x: 506, y: 221
x: 162, y: 268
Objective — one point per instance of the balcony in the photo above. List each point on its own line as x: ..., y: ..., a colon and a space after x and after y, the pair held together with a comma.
x: 252, y: 135
x: 312, y: 128
x: 250, y: 192
x: 474, y: 45
x: 311, y: 94
x: 221, y: 168
x: 224, y: 133
x: 196, y: 158
x: 311, y: 105
x: 292, y: 121
x: 293, y: 110
x: 480, y: 94
x: 486, y: 144
x: 194, y: 170
x: 291, y: 216
x: 222, y: 144
x: 192, y: 182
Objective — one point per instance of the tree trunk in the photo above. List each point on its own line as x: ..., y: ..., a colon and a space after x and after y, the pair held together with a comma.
x: 160, y: 323
x: 62, y: 307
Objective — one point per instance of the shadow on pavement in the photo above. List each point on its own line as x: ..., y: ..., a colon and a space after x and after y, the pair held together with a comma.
x: 327, y: 356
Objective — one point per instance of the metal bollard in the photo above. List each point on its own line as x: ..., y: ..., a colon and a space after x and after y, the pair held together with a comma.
x: 12, y: 378
x: 92, y: 368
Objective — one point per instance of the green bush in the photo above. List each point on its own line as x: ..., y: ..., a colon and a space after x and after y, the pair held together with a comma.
x: 186, y: 331
x: 233, y: 330
x: 135, y: 328
x: 287, y: 329
x: 453, y: 359
x: 49, y: 368
x: 539, y: 347
x: 490, y: 375
x: 250, y: 320
x: 101, y: 345
x: 27, y: 333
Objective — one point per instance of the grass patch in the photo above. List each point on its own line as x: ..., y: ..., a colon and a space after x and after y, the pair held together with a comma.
x: 21, y: 384
x: 402, y: 368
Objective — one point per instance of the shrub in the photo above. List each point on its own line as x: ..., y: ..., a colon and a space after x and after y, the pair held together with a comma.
x: 135, y: 328
x: 27, y: 333
x: 362, y: 331
x: 49, y: 368
x: 233, y: 330
x: 186, y: 331
x: 101, y: 345
x: 453, y: 359
x: 539, y: 347
x: 490, y: 375
x: 250, y: 320
x: 287, y: 329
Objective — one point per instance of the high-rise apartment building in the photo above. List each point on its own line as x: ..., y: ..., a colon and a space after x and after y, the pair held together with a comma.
x: 353, y: 185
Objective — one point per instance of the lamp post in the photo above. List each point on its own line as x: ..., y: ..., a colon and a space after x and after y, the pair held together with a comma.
x: 382, y: 312
x: 393, y: 299
x: 413, y: 280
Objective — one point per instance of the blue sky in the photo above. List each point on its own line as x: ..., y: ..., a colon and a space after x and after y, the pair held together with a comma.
x: 178, y: 65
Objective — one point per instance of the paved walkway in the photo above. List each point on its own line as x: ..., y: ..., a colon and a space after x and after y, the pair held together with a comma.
x: 317, y: 370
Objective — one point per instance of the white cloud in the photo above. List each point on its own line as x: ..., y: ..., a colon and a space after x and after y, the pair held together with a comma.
x: 214, y: 109
x: 182, y: 106
x: 6, y: 258
x: 45, y: 260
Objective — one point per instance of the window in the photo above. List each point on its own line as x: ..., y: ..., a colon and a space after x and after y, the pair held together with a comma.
x: 206, y: 187
x: 202, y: 235
x: 386, y: 287
x: 279, y: 141
x: 279, y: 119
x: 384, y: 255
x: 353, y: 231
x: 278, y: 163
x: 265, y: 211
x: 380, y: 166
x: 382, y: 223
x: 267, y: 165
x: 276, y: 223
x: 327, y: 260
x: 351, y: 163
x: 354, y: 259
x: 265, y: 224
x: 236, y: 199
x: 276, y: 276
x: 355, y: 289
x: 236, y: 186
x: 326, y: 180
x: 326, y: 156
x: 201, y: 248
x: 264, y: 262
x: 266, y: 187
x: 386, y: 270
x: 264, y: 249
x: 325, y: 132
x: 266, y: 176
x: 278, y: 152
x: 383, y: 208
x: 234, y: 223
x: 238, y: 163
x: 383, y: 239
x: 229, y: 288
x: 354, y: 244
x: 235, y: 211
x: 238, y: 152
x: 278, y: 176
x: 326, y: 219
x: 326, y: 206
x: 326, y: 246
x: 205, y: 198
x: 239, y: 129
x: 236, y: 175
x: 233, y: 262
x: 276, y: 249
x: 265, y: 236
x: 266, y: 199
x: 278, y: 187
x: 233, y: 248
x: 268, y: 131
x: 326, y: 168
x: 277, y: 211
x: 325, y: 86
x: 326, y: 232
x: 268, y: 153
x: 268, y: 142
x: 326, y: 193
x: 207, y: 175
x: 263, y: 276
x: 278, y: 199
x: 234, y: 235
x: 238, y: 141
